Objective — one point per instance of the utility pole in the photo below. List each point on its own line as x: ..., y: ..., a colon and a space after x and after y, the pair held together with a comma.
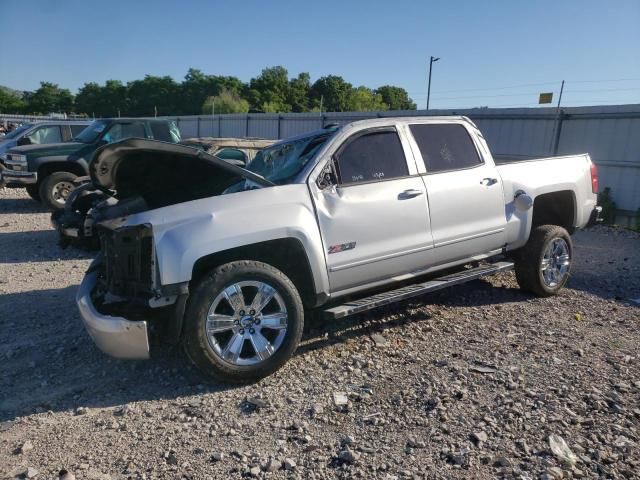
x: 431, y: 60
x: 321, y: 100
x: 155, y: 111
x: 213, y: 107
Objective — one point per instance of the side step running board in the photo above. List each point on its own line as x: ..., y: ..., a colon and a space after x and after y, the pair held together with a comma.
x: 403, y: 293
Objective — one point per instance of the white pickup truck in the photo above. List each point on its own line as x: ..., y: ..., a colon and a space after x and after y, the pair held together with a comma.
x: 226, y: 260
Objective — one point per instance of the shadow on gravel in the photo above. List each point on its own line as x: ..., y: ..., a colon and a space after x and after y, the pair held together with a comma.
x: 21, y: 205
x: 321, y: 333
x: 35, y: 246
x: 48, y: 362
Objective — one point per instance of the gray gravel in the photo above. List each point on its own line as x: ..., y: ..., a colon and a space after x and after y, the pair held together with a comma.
x: 480, y: 381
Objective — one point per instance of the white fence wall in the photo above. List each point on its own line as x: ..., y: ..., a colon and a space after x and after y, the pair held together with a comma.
x: 610, y: 134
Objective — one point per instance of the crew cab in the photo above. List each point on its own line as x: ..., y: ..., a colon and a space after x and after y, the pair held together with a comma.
x: 48, y: 171
x: 226, y: 260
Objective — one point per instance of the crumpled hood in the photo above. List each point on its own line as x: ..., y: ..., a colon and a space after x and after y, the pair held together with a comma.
x: 113, y: 165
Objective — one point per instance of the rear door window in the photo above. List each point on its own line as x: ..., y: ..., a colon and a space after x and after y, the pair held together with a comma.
x: 371, y: 157
x: 445, y: 147
x: 165, y: 131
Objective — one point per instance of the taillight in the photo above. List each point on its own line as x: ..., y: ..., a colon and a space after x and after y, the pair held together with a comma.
x: 594, y: 178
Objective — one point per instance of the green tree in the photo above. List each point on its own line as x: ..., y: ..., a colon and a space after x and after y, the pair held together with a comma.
x: 272, y: 86
x: 10, y: 103
x: 50, y: 98
x: 103, y: 101
x: 332, y: 92
x: 298, y: 95
x: 396, y: 98
x: 151, y: 93
x: 197, y: 87
x: 363, y: 99
x: 227, y: 101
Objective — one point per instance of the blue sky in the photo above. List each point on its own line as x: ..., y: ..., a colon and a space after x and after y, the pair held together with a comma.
x: 493, y: 53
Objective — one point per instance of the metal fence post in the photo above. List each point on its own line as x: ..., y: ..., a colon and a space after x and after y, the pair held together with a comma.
x: 279, y: 118
x: 556, y: 140
x: 246, y: 127
x: 198, y: 126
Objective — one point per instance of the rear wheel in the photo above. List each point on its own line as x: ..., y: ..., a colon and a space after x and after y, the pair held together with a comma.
x: 33, y: 191
x: 55, y: 188
x: 243, y: 322
x: 544, y: 263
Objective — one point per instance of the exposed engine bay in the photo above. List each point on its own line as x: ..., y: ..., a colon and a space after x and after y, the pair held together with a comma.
x: 137, y: 175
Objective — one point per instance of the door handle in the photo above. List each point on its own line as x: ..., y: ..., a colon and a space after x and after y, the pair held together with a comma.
x: 488, y: 181
x: 409, y: 194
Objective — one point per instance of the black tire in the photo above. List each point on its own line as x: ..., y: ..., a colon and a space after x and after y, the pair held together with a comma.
x: 529, y: 260
x: 33, y: 191
x: 51, y: 192
x: 196, y: 343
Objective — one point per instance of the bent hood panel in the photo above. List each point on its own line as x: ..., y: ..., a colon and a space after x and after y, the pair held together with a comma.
x: 111, y: 163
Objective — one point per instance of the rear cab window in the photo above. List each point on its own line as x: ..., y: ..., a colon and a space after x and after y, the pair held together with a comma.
x: 372, y: 156
x: 445, y: 147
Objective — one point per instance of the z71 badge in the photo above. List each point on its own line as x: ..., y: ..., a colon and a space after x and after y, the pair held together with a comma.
x: 342, y: 247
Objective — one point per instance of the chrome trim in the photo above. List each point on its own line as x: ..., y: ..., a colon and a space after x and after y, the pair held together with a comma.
x: 470, y: 237
x: 14, y: 176
x: 380, y: 258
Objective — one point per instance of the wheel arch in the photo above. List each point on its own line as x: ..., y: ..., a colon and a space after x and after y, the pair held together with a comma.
x: 48, y: 168
x: 286, y: 254
x: 555, y: 208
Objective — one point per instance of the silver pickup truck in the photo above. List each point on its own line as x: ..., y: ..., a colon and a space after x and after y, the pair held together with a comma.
x: 226, y: 260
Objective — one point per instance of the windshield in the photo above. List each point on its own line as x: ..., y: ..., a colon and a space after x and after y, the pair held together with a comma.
x: 281, y: 162
x: 91, y: 133
x: 17, y: 132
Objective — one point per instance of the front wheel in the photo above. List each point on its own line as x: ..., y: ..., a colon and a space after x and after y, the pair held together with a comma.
x: 544, y: 263
x: 243, y: 322
x: 55, y: 188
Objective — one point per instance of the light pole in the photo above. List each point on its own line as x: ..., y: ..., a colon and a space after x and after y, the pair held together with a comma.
x: 431, y: 60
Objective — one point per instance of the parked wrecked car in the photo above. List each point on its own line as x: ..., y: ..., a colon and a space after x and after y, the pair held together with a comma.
x: 48, y: 172
x: 40, y: 133
x: 226, y: 260
x: 240, y: 149
x: 89, y: 204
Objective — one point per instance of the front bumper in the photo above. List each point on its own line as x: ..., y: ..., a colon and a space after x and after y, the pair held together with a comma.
x: 17, y: 177
x: 115, y: 336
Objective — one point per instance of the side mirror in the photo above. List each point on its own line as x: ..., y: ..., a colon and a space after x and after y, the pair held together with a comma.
x: 24, y: 141
x: 327, y: 177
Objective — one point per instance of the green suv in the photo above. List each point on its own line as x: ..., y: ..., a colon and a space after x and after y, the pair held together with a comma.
x: 49, y: 171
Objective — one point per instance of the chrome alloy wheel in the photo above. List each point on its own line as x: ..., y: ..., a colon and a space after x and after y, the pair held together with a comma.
x: 246, y: 323
x: 555, y: 262
x: 60, y: 191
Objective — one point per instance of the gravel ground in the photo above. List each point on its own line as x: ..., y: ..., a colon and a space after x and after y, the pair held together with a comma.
x: 480, y: 381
